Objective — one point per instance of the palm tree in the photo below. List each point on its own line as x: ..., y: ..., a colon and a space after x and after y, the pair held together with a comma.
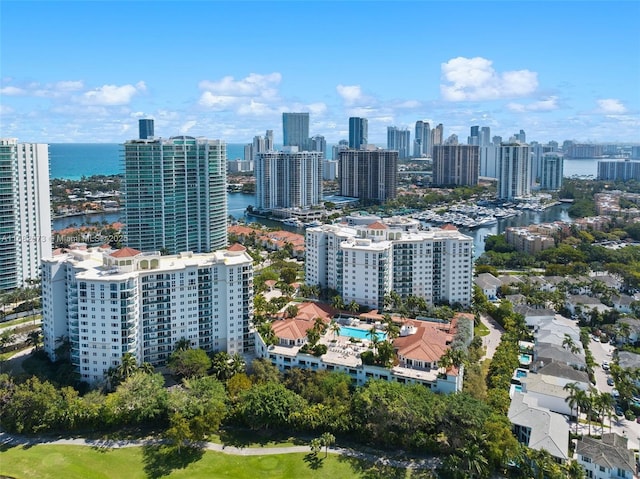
x: 128, y: 366
x: 393, y: 330
x: 373, y: 336
x: 182, y: 345
x: 353, y: 306
x: 237, y: 364
x: 291, y: 311
x: 34, y: 338
x: 573, y: 400
x: 604, y: 403
x: 574, y: 470
x: 327, y: 439
x: 472, y: 459
x: 337, y: 302
x: 334, y: 327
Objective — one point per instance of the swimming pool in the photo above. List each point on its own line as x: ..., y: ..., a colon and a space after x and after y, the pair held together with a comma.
x: 526, y: 359
x: 360, y: 333
x: 521, y: 373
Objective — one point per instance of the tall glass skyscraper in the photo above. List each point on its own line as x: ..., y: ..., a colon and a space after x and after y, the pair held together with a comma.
x: 25, y: 211
x: 175, y: 194
x: 295, y: 130
x: 145, y: 128
x: 358, y: 132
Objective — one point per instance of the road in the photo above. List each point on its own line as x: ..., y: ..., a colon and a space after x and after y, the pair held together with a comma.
x: 629, y: 429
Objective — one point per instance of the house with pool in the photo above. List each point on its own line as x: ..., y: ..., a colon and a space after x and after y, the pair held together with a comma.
x: 417, y: 350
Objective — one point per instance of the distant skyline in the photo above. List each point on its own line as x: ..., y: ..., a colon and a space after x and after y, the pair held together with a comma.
x: 86, y: 72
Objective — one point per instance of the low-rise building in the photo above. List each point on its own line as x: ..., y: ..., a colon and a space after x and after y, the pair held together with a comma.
x: 606, y: 458
x: 419, y: 348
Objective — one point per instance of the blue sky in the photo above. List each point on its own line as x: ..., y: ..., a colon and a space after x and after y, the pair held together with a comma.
x: 86, y: 71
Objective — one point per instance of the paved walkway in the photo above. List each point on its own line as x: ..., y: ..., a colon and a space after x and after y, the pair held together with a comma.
x: 492, y: 340
x: 422, y: 463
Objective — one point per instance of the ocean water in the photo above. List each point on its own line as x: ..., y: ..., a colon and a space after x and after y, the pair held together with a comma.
x: 72, y: 161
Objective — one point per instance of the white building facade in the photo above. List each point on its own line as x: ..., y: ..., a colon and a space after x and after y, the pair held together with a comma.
x: 514, y: 171
x: 25, y: 211
x: 288, y: 179
x: 108, y: 303
x: 363, y: 263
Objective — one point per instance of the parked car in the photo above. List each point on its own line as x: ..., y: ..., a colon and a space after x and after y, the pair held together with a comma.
x: 619, y: 411
x: 605, y: 365
x: 610, y: 382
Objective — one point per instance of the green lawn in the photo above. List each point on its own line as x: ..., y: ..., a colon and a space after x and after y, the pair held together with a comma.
x: 15, y: 322
x: 81, y: 462
x: 480, y: 330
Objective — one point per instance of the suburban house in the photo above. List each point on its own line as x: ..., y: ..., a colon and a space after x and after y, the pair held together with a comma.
x: 538, y: 428
x: 606, y: 458
x: 489, y: 285
x: 582, y: 305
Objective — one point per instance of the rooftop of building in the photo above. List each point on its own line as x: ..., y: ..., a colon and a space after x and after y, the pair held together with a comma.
x: 611, y: 451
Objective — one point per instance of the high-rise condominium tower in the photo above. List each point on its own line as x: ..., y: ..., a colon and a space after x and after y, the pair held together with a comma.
x: 295, y: 130
x: 25, y: 211
x: 514, y: 171
x: 318, y: 143
x: 422, y: 141
x: 145, y: 129
x: 112, y: 302
x: 399, y: 139
x: 552, y: 169
x: 456, y: 165
x: 288, y: 179
x: 358, y: 132
x: 474, y: 136
x: 175, y: 194
x: 371, y: 175
x: 437, y: 136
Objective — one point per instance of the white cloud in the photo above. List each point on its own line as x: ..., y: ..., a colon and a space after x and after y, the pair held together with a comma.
x: 243, y: 94
x: 251, y: 86
x: 5, y: 109
x: 474, y: 79
x: 351, y: 94
x: 12, y: 91
x: 547, y: 104
x: 113, y: 94
x: 317, y: 109
x: 184, y: 129
x: 69, y: 85
x: 611, y: 105
x: 256, y: 108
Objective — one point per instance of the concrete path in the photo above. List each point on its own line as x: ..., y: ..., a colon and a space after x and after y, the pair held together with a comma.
x: 492, y: 340
x: 418, y: 463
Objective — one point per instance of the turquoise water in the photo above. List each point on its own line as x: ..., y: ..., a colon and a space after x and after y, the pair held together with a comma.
x: 517, y: 387
x: 72, y: 161
x: 360, y: 333
x: 525, y: 358
x: 521, y: 374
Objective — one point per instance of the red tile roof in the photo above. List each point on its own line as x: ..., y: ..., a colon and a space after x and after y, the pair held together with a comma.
x: 429, y: 343
x: 237, y: 247
x: 125, y: 253
x: 378, y: 226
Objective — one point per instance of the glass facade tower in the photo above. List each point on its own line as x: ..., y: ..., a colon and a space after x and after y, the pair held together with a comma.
x: 175, y: 194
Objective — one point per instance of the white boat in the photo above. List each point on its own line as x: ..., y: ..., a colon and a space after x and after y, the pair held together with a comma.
x: 292, y: 222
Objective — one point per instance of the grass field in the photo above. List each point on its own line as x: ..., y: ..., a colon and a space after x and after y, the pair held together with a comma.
x: 81, y: 462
